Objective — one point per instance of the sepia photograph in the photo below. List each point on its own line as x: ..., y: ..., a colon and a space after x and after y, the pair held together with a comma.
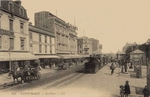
x: 74, y: 48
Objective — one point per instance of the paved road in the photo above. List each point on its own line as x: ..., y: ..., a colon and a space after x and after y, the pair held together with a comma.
x: 46, y: 78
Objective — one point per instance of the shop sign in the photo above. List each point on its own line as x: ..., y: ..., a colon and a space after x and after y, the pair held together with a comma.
x: 5, y: 32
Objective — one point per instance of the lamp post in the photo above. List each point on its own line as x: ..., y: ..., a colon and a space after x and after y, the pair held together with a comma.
x: 147, y: 61
x: 9, y: 50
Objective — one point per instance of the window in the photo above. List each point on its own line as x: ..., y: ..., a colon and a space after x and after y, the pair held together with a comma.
x: 11, y: 43
x: 10, y: 24
x: 10, y: 7
x: 51, y: 49
x: 30, y: 35
x: 40, y: 38
x: 0, y: 42
x: 22, y: 27
x: 50, y: 40
x: 45, y: 39
x: 45, y: 48
x: 22, y: 44
x: 40, y: 49
x: 21, y: 11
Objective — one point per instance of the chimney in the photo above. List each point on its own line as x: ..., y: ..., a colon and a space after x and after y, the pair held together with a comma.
x: 18, y: 2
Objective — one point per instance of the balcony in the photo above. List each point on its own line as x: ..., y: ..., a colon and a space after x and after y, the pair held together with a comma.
x: 6, y: 32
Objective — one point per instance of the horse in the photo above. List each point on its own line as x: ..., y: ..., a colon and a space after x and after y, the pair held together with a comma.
x: 17, y: 74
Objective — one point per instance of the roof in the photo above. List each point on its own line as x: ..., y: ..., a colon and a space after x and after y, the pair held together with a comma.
x: 41, y: 31
x: 138, y: 52
x: 16, y: 7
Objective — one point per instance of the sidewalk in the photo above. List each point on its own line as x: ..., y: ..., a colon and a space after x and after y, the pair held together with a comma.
x: 136, y: 84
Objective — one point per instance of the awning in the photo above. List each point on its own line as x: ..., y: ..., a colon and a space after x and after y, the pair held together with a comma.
x: 14, y: 56
x: 47, y: 56
x: 70, y: 56
x: 86, y: 55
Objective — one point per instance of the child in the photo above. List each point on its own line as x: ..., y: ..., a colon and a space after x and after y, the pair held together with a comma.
x: 121, y: 91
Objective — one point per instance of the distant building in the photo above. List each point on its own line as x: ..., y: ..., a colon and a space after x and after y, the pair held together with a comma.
x: 65, y: 33
x: 120, y: 55
x: 84, y: 46
x: 14, y: 35
x: 128, y: 45
x: 96, y: 47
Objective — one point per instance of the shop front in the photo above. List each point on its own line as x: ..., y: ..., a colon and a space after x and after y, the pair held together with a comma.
x: 47, y: 59
x: 8, y: 59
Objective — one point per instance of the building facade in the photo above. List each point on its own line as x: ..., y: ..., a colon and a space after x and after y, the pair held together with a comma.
x: 65, y: 33
x: 42, y: 44
x: 14, y: 35
x: 84, y: 46
x: 95, y: 45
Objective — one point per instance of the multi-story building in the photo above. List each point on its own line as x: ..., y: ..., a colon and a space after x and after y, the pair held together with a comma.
x: 95, y: 45
x: 14, y: 35
x: 42, y: 43
x: 84, y: 46
x: 66, y: 36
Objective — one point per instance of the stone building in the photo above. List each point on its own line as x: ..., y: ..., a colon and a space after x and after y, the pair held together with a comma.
x: 42, y: 44
x: 65, y: 33
x: 95, y: 45
x: 84, y: 46
x: 14, y: 35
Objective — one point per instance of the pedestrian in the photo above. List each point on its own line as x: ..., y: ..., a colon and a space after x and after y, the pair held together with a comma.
x: 145, y: 91
x: 127, y: 89
x: 112, y: 67
x: 122, y: 91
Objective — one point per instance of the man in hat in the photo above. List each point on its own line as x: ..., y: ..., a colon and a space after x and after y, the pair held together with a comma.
x: 127, y: 89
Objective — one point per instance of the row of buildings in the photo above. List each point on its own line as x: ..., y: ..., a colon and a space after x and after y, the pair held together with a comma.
x: 49, y: 37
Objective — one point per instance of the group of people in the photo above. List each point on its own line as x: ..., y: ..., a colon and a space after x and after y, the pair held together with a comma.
x: 125, y: 90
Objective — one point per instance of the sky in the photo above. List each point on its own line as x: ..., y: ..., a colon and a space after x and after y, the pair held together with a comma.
x: 112, y: 22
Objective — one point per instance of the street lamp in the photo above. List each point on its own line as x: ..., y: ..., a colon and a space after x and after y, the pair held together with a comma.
x: 147, y: 61
x: 9, y: 50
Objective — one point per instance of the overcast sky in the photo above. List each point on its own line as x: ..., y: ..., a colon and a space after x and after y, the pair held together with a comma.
x: 112, y: 22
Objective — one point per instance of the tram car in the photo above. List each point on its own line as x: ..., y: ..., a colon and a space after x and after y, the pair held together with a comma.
x: 93, y: 65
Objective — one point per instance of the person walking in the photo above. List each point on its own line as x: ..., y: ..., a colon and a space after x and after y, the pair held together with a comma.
x: 112, y: 67
x: 127, y: 89
x: 145, y: 92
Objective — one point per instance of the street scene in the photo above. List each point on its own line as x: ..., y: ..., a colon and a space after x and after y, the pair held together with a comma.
x: 75, y: 48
